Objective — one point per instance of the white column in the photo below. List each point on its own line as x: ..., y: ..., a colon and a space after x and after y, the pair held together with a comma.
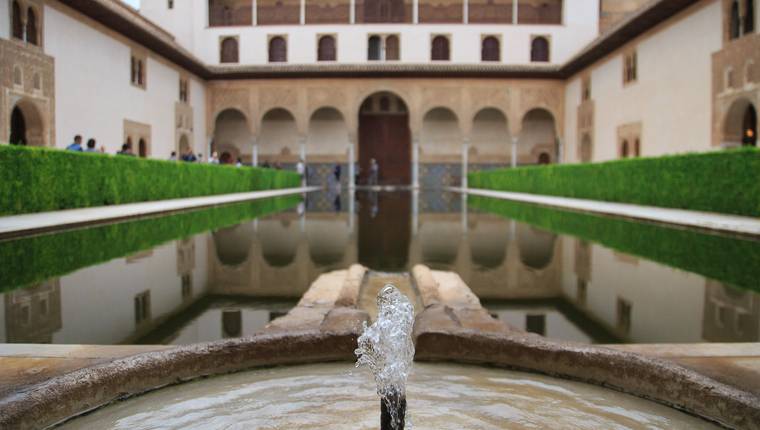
x: 416, y: 11
x: 351, y: 209
x: 466, y: 12
x: 514, y: 152
x: 560, y: 151
x: 415, y: 163
x: 415, y: 211
x: 352, y: 12
x: 465, y: 225
x: 255, y: 155
x: 255, y: 12
x: 465, y: 160
x: 515, y: 9
x: 303, y: 12
x: 302, y: 144
x: 351, y: 172
x: 208, y: 147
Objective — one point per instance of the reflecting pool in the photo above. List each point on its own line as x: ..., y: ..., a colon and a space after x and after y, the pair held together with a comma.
x: 227, y: 271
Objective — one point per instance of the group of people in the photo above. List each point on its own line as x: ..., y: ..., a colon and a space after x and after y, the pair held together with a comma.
x: 76, y: 145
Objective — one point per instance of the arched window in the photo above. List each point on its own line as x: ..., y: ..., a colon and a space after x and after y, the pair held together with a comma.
x: 18, y: 127
x: 749, y: 16
x: 490, y: 50
x: 31, y: 27
x: 278, y: 50
x: 229, y: 50
x: 392, y: 51
x: 539, y: 50
x: 439, y: 48
x: 544, y: 158
x: 637, y: 148
x: 373, y: 48
x: 18, y: 26
x: 624, y: 149
x: 326, y: 49
x: 734, y: 24
x: 749, y: 127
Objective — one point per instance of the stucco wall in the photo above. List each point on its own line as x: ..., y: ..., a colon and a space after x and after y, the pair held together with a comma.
x: 5, y: 23
x: 580, y: 26
x: 671, y: 98
x: 94, y: 95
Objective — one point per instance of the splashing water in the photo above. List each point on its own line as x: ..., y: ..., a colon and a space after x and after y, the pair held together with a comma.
x: 386, y: 348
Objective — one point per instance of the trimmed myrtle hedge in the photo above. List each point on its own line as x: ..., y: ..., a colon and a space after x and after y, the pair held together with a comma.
x: 44, y: 179
x: 729, y: 260
x: 725, y: 181
x: 38, y: 258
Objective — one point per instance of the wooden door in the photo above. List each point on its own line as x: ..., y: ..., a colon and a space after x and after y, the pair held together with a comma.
x: 387, y: 139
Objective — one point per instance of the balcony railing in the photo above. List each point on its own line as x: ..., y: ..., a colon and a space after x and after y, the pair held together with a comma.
x: 224, y: 16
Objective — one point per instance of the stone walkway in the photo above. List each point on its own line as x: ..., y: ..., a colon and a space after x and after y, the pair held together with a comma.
x: 26, y: 224
x: 704, y: 220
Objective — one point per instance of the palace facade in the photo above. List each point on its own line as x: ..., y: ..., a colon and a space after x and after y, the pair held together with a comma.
x: 430, y: 88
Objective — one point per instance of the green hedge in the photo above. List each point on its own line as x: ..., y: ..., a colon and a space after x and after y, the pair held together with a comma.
x: 43, y: 179
x: 725, y: 181
x: 729, y: 260
x: 36, y: 259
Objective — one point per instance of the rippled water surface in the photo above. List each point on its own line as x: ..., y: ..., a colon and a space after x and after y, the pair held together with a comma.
x: 336, y: 396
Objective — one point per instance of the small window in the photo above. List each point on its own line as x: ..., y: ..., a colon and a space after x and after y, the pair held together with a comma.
x: 183, y: 91
x: 37, y: 81
x: 326, y: 49
x: 539, y: 50
x: 630, y: 67
x: 228, y: 50
x: 491, y: 50
x: 278, y: 50
x: 18, y: 25
x: 439, y: 49
x: 170, y: 4
x: 586, y: 89
x: 18, y: 76
x: 749, y: 16
x: 734, y: 25
x: 142, y: 307
x: 374, y: 48
x: 392, y: 51
x: 140, y: 73
x: 728, y: 79
x: 137, y: 70
x: 31, y: 27
x: 624, y: 308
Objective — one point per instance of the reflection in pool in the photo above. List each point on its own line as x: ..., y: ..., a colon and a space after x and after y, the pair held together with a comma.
x: 231, y: 280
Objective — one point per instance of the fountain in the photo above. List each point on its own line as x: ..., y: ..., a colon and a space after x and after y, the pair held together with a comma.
x: 386, y: 348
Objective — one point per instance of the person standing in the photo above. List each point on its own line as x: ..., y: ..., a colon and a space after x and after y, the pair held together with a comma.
x: 214, y: 159
x: 173, y: 157
x: 374, y: 172
x: 91, y: 146
x: 301, y: 169
x: 76, y: 145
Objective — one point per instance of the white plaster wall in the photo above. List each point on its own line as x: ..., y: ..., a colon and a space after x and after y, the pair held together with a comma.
x: 581, y: 23
x: 94, y: 94
x: 672, y: 97
x: 5, y: 23
x: 177, y: 21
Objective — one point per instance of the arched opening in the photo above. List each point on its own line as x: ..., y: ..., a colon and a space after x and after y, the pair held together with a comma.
x: 184, y: 144
x: 586, y: 149
x: 228, y: 52
x: 233, y: 244
x: 488, y: 244
x: 538, y: 136
x: 544, y: 158
x: 637, y: 147
x: 749, y: 16
x: 374, y: 48
x: 278, y: 50
x: 490, y: 138
x: 440, y: 243
x: 749, y: 127
x: 536, y: 246
x: 26, y: 126
x: 142, y: 148
x: 18, y: 127
x: 734, y: 24
x: 624, y: 150
x: 226, y: 158
x: 32, y: 35
x: 539, y: 49
x: 490, y: 50
x: 384, y: 135
x: 392, y: 51
x: 279, y: 241
x: 328, y: 138
x: 17, y: 30
x: 328, y: 241
x: 278, y: 138
x: 231, y: 134
x: 440, y: 139
x: 439, y: 50
x: 326, y: 49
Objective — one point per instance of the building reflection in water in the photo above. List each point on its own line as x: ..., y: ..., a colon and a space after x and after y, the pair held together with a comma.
x: 232, y: 281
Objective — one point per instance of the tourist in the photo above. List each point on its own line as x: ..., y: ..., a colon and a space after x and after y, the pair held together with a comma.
x: 214, y: 159
x: 189, y: 157
x: 301, y: 170
x: 336, y: 173
x: 126, y: 149
x: 200, y: 158
x: 91, y: 146
x: 374, y: 172
x: 266, y: 165
x: 173, y: 157
x: 76, y: 145
x: 239, y: 162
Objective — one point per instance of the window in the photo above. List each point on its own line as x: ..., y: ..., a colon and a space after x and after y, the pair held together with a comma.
x: 31, y: 27
x: 142, y: 307
x: 228, y: 50
x: 749, y: 16
x: 326, y: 49
x: 624, y: 315
x: 439, y: 50
x: 630, y: 67
x: 170, y: 4
x: 728, y: 79
x: 383, y: 47
x: 183, y: 90
x: 539, y: 49
x: 137, y: 70
x: 586, y: 89
x: 624, y: 149
x: 278, y: 50
x: 734, y: 23
x: 37, y: 81
x: 18, y: 26
x: 490, y: 51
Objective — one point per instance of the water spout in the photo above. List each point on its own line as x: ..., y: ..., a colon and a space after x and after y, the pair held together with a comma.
x: 386, y: 348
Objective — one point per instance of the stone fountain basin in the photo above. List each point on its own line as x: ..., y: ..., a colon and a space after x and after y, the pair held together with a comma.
x: 62, y: 398
x: 336, y: 396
